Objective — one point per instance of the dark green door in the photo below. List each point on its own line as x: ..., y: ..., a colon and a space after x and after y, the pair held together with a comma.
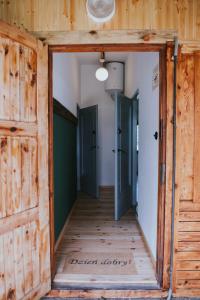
x: 123, y: 155
x: 88, y: 147
x: 135, y: 149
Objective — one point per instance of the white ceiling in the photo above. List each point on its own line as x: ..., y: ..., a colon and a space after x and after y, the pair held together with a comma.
x: 93, y: 57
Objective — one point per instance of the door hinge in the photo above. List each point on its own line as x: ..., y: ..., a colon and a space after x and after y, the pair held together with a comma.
x: 162, y: 173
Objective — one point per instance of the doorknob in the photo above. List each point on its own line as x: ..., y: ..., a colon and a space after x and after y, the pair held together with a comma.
x: 119, y: 131
x: 122, y: 150
x: 156, y: 135
x: 93, y: 147
x: 119, y: 150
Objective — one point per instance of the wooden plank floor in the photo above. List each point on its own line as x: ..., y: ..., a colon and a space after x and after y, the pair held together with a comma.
x: 95, y: 249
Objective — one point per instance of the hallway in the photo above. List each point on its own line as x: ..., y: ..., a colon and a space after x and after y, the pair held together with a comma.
x: 96, y: 250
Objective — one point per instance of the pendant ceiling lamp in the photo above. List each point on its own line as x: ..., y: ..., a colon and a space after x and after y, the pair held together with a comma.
x: 102, y: 73
x: 100, y: 11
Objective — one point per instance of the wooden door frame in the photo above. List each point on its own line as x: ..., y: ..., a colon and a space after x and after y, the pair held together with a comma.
x: 161, y: 49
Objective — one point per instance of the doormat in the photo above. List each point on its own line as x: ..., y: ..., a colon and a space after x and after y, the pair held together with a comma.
x: 100, y: 263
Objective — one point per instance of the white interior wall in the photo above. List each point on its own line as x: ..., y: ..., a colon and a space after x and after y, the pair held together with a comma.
x: 92, y: 93
x: 66, y: 80
x: 139, y: 73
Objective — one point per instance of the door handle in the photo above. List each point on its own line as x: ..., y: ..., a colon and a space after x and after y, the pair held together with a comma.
x: 122, y: 150
x: 119, y: 150
x: 93, y: 147
x: 156, y: 135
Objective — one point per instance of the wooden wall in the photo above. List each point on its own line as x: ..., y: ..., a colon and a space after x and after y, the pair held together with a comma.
x: 187, y: 203
x: 182, y: 16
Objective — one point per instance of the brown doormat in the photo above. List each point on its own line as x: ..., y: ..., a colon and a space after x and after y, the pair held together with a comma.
x: 99, y: 263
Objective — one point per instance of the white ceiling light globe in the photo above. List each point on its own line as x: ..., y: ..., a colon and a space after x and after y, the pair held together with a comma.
x: 101, y: 74
x: 100, y: 11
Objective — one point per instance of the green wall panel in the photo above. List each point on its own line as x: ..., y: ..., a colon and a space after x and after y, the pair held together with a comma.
x: 64, y: 170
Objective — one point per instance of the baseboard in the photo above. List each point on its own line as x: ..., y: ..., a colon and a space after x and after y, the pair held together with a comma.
x: 107, y: 294
x: 147, y: 245
x: 64, y: 228
x: 106, y: 187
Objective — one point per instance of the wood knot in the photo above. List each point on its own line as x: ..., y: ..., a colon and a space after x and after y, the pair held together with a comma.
x: 6, y: 49
x: 13, y: 129
x: 11, y: 294
x: 16, y: 74
x: 42, y: 39
x: 148, y: 36
x: 11, y: 74
x: 25, y: 148
x: 135, y: 2
x: 21, y: 50
x: 29, y: 66
x: 3, y: 143
x: 33, y: 80
x: 93, y: 32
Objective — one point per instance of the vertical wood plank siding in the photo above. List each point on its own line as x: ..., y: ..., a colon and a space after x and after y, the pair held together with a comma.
x: 182, y: 16
x: 187, y: 208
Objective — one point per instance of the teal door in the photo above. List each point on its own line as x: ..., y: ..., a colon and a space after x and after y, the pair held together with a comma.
x: 135, y: 148
x: 123, y: 155
x: 88, y: 148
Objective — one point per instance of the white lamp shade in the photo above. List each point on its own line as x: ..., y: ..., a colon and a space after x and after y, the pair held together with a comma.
x: 100, y: 11
x: 101, y: 74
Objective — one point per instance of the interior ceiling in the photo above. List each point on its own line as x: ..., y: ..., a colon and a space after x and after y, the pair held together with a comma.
x: 93, y: 57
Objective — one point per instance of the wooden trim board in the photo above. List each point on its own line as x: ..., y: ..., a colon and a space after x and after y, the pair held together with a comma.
x: 147, y: 245
x: 106, y: 48
x: 18, y: 35
x: 51, y: 166
x: 64, y: 228
x: 107, y: 294
x: 62, y: 111
x: 106, y: 37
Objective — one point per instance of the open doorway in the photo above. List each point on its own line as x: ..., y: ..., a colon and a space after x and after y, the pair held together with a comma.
x: 107, y: 157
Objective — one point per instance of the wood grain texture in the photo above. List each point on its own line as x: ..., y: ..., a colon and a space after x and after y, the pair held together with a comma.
x: 168, y: 192
x: 187, y: 231
x: 185, y: 126
x: 21, y: 120
x: 121, y: 36
x: 107, y: 294
x: 89, y: 237
x: 43, y: 179
x: 197, y: 127
x: 24, y: 211
x: 61, y: 15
